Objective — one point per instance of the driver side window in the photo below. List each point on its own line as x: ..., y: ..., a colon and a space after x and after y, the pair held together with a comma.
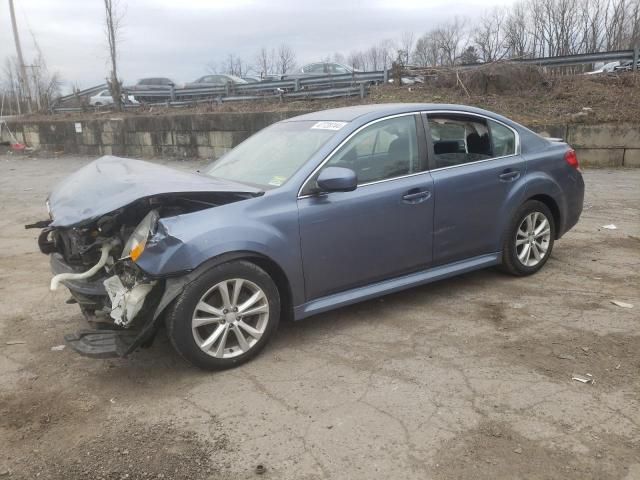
x: 384, y: 150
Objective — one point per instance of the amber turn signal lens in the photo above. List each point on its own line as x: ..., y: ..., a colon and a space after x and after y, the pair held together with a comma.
x: 137, y: 251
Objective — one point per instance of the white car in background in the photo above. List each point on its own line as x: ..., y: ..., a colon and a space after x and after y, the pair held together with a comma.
x: 606, y: 68
x: 104, y: 98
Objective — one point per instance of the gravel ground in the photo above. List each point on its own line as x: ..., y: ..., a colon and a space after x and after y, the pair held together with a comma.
x: 466, y: 378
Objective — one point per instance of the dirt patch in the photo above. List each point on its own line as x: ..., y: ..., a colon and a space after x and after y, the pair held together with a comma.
x: 612, y: 359
x: 32, y: 411
x: 120, y: 449
x: 493, y: 450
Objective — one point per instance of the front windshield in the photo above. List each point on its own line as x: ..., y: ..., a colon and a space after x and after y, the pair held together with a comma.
x: 272, y: 155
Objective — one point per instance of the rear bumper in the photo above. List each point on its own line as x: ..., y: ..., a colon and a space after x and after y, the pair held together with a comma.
x: 575, y: 203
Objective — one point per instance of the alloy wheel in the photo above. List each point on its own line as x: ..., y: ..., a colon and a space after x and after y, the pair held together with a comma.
x: 532, y: 239
x: 230, y: 318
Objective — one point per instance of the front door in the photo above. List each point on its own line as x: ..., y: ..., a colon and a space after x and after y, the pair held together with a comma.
x: 384, y: 227
x: 475, y: 168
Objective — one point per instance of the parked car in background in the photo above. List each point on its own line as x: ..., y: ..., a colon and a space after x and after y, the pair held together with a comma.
x: 309, y: 214
x: 217, y: 80
x: 606, y: 68
x: 151, y: 84
x: 326, y: 68
x: 105, y: 98
x: 626, y: 66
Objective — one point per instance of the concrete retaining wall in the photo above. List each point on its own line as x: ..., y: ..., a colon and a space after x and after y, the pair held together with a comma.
x: 193, y: 135
x: 600, y: 145
x: 210, y: 135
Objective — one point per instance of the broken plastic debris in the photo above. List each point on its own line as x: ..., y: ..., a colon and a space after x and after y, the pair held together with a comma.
x: 15, y: 342
x: 583, y: 379
x: 622, y: 304
x: 566, y: 356
x: 57, y: 348
x: 611, y: 226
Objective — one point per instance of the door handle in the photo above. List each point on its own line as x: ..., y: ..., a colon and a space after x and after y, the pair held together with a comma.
x: 509, y: 175
x: 416, y: 196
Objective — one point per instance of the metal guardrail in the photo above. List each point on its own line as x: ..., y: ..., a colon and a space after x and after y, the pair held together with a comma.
x: 340, y: 92
x: 326, y: 86
x: 581, y: 59
x: 84, y: 93
x: 286, y: 85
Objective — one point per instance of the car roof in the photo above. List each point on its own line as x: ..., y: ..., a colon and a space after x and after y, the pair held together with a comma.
x: 373, y: 111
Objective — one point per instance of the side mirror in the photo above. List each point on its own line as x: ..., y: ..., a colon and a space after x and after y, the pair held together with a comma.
x: 337, y: 179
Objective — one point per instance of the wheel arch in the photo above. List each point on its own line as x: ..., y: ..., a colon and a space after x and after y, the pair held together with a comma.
x: 175, y: 285
x: 553, y: 206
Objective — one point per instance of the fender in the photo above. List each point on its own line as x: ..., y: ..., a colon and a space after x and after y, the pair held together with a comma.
x: 187, y: 243
x: 541, y: 183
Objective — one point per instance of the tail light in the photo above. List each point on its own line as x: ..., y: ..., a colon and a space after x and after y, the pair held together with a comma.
x: 572, y: 159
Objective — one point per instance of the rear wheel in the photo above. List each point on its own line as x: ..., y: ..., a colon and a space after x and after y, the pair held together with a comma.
x: 225, y: 317
x: 529, y: 239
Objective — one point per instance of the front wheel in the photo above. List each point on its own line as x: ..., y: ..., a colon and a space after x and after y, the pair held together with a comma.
x: 224, y: 317
x: 529, y: 239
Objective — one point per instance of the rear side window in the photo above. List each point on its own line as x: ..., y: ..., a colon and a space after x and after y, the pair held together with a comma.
x: 459, y: 139
x: 503, y: 139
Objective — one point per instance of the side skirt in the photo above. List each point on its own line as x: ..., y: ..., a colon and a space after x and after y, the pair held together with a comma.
x: 385, y: 287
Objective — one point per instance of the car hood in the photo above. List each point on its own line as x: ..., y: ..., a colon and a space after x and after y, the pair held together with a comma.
x: 110, y: 183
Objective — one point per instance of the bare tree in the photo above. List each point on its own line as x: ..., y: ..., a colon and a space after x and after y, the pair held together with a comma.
x: 286, y: 59
x: 358, y: 60
x: 113, y: 20
x: 406, y: 47
x: 388, y: 52
x: 426, y: 52
x: 488, y: 35
x: 516, y: 32
x: 264, y: 61
x: 338, y: 57
x: 235, y: 65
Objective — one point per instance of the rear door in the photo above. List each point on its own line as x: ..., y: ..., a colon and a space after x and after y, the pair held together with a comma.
x: 383, y: 228
x: 475, y: 165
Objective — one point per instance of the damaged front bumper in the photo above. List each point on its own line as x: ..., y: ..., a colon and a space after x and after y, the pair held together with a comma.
x: 123, y: 317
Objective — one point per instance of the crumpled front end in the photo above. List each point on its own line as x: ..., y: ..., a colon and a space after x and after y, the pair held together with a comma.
x: 115, y: 296
x: 97, y: 261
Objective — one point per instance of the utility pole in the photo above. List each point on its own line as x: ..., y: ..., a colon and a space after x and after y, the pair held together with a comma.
x: 24, y: 80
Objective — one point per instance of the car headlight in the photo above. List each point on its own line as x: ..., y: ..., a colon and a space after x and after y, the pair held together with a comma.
x: 138, y: 240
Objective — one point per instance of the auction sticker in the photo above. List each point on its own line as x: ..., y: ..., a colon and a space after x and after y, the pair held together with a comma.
x: 329, y: 125
x: 277, y: 180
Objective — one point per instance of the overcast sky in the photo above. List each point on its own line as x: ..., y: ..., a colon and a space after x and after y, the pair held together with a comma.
x: 179, y: 38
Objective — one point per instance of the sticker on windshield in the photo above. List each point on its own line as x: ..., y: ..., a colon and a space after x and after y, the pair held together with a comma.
x: 328, y: 125
x: 277, y: 180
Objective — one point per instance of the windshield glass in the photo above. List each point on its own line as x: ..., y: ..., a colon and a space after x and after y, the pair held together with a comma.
x: 272, y: 155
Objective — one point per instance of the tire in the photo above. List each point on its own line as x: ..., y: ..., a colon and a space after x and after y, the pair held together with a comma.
x: 222, y: 321
x: 526, y: 249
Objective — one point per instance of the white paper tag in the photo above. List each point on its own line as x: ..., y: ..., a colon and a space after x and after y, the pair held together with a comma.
x: 329, y: 125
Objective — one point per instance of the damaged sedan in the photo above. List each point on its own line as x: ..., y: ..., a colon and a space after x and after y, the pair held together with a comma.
x: 310, y: 214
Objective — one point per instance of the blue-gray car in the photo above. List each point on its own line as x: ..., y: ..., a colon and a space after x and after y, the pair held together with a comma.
x: 310, y: 214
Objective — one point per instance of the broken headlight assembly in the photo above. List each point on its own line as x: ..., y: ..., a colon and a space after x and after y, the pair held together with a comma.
x: 138, y: 240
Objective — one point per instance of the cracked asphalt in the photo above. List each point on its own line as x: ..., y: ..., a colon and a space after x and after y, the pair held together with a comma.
x: 466, y: 378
